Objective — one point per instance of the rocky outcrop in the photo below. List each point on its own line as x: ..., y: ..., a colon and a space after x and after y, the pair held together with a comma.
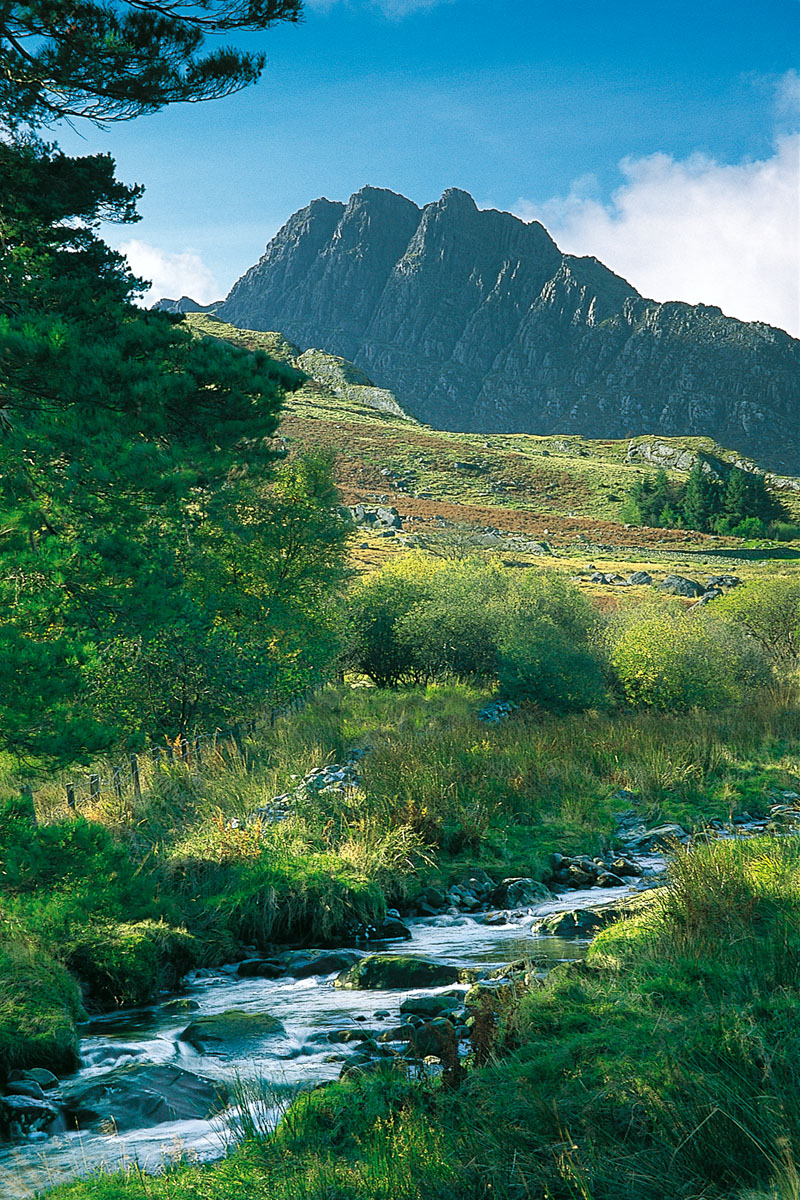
x: 476, y: 321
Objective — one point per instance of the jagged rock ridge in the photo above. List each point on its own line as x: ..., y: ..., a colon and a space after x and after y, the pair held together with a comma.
x: 477, y: 322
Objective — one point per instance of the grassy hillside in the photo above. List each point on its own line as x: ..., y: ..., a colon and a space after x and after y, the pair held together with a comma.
x: 565, y: 491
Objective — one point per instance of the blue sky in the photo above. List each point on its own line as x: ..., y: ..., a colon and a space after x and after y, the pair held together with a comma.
x: 619, y: 124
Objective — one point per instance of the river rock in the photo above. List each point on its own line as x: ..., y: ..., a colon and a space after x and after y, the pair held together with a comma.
x: 584, y: 922
x: 520, y: 893
x: 392, y: 929
x: 640, y: 578
x: 658, y: 838
x: 25, y: 1087
x: 327, y: 963
x: 230, y: 1032
x: 259, y: 968
x: 45, y: 1079
x: 442, y: 1005
x: 384, y: 971
x: 138, y: 1097
x: 26, y: 1114
x: 437, y: 1038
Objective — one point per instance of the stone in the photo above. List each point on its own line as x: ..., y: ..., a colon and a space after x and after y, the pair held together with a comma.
x: 139, y: 1097
x: 679, y: 585
x: 436, y: 1037
x: 259, y: 968
x: 400, y: 1033
x: 640, y: 578
x: 389, y: 971
x: 441, y: 1005
x: 230, y: 1032
x: 392, y: 929
x: 46, y: 1079
x: 25, y: 1087
x: 26, y: 1114
x: 326, y: 964
x: 520, y: 893
x: 659, y: 838
x: 180, y: 1004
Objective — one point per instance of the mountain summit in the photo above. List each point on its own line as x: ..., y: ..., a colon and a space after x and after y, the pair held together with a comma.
x: 478, y: 322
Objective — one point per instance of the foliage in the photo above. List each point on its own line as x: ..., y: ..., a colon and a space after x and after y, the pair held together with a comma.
x: 738, y: 505
x: 420, y: 619
x: 151, y: 575
x: 39, y: 1006
x: 113, y: 62
x: 670, y: 659
x: 768, y: 611
x: 542, y: 666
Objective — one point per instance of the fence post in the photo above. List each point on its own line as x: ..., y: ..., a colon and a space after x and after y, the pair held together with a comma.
x: 198, y: 756
x: 156, y: 752
x: 116, y: 777
x: 70, y: 795
x: 170, y: 754
x: 137, y: 787
x: 94, y: 786
x: 184, y: 749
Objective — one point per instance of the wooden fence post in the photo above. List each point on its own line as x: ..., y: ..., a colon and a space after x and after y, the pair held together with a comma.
x: 184, y: 749
x: 70, y: 795
x: 116, y: 776
x: 94, y: 786
x: 170, y: 754
x: 137, y: 787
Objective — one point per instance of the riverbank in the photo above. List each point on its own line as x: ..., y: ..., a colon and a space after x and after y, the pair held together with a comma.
x: 130, y: 895
x: 665, y: 1064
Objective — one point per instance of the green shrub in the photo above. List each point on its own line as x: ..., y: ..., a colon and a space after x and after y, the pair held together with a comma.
x: 667, y: 659
x: 39, y: 1005
x: 768, y: 611
x: 540, y: 665
x: 125, y: 963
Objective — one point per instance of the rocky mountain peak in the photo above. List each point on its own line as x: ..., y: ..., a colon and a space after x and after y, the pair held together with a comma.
x: 476, y: 321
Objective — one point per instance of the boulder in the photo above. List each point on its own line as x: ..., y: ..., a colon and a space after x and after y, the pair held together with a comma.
x: 326, y: 964
x: 230, y: 1032
x: 658, y: 838
x: 433, y: 1006
x: 640, y: 577
x: 138, y: 1097
x: 435, y: 1038
x: 259, y: 968
x: 26, y: 1114
x: 679, y: 585
x: 384, y: 971
x: 391, y: 929
x: 25, y: 1087
x: 45, y: 1079
x: 520, y: 893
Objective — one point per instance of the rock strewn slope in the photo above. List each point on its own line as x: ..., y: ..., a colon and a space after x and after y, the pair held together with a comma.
x: 478, y: 322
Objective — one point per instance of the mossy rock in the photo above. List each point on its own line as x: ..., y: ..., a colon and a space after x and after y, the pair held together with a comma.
x: 230, y: 1032
x: 380, y: 972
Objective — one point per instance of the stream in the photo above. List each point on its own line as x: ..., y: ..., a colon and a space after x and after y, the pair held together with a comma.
x: 306, y: 1007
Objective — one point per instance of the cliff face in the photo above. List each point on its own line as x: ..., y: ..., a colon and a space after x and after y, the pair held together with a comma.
x: 478, y: 322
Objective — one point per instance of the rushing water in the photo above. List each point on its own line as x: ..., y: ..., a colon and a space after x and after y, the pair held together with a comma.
x: 306, y: 1008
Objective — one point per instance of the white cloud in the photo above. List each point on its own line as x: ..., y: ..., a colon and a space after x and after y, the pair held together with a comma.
x: 394, y: 9
x: 696, y: 230
x: 172, y: 275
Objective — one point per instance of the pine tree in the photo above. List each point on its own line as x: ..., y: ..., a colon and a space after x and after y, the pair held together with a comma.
x: 111, y: 62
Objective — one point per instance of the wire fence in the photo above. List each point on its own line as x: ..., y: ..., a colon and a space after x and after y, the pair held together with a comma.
x: 186, y: 750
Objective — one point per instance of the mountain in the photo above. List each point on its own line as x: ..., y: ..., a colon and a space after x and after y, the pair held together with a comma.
x: 477, y: 322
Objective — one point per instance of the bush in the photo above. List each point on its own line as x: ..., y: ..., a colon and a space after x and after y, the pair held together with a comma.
x: 39, y: 1006
x: 541, y: 666
x: 674, y: 660
x: 130, y: 963
x: 768, y: 612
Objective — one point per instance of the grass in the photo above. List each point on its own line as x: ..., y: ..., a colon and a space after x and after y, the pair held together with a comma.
x: 667, y: 1064
x: 130, y: 894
